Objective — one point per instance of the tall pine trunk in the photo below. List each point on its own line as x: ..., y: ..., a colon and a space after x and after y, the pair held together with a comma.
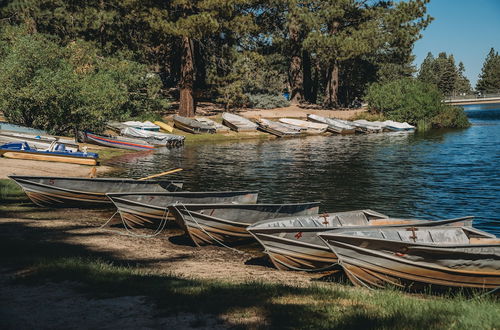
x: 295, y: 74
x: 187, y: 106
x: 307, y: 80
x: 332, y: 86
x: 332, y: 78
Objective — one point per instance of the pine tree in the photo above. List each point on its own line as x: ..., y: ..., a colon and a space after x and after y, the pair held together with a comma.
x: 427, y: 72
x: 462, y: 84
x: 489, y: 79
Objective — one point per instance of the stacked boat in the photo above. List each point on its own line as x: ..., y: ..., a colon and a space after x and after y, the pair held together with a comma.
x: 373, y: 249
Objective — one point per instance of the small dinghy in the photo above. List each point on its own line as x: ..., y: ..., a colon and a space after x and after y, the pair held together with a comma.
x: 227, y: 223
x: 414, y: 258
x: 53, y: 191
x: 238, y: 123
x: 310, y: 127
x: 192, y: 126
x: 36, y: 140
x: 207, y: 121
x: 114, y: 141
x: 149, y: 208
x: 292, y: 243
x: 278, y: 129
x: 397, y: 126
x: 154, y: 138
x: 55, y: 153
x: 361, y: 126
x: 333, y: 125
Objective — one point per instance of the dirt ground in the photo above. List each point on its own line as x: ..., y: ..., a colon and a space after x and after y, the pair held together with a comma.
x: 62, y: 305
x: 33, y: 167
x: 295, y: 111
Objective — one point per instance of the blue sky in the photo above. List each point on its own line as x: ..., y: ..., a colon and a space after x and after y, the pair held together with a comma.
x: 465, y: 28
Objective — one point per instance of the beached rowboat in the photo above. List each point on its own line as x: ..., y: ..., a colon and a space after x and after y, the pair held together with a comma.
x: 238, y: 123
x: 121, y: 142
x: 154, y: 138
x: 36, y: 140
x: 333, y: 125
x: 278, y: 129
x: 410, y: 257
x: 207, y: 121
x: 146, y: 209
x: 84, y: 192
x: 227, y: 223
x: 55, y: 153
x: 310, y: 127
x: 192, y: 126
x: 292, y: 243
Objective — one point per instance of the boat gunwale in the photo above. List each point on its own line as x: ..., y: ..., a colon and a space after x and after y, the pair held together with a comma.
x: 397, y: 259
x: 66, y: 189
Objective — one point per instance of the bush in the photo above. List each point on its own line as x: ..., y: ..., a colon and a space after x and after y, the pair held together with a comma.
x: 267, y: 101
x: 58, y: 88
x: 415, y: 102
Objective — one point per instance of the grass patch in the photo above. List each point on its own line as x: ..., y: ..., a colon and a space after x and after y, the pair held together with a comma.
x: 10, y: 191
x: 369, y: 116
x: 318, y: 306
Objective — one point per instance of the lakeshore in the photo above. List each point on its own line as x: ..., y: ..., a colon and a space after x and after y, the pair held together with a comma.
x: 54, y: 268
x: 28, y: 167
x: 69, y: 268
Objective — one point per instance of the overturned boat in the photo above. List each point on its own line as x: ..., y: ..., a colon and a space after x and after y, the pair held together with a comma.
x: 146, y: 209
x: 278, y: 129
x: 227, y: 223
x: 50, y: 191
x: 207, y: 121
x: 192, y: 126
x: 308, y: 126
x: 238, y: 123
x: 334, y: 126
x: 413, y: 258
x: 292, y: 243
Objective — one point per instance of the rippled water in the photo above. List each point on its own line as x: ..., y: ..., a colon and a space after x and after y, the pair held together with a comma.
x: 437, y: 174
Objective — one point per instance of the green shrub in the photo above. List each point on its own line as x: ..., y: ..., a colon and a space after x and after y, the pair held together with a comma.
x: 415, y: 102
x: 267, y: 101
x: 58, y: 88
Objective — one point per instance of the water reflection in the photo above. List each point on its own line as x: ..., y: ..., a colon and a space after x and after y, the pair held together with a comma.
x: 435, y: 174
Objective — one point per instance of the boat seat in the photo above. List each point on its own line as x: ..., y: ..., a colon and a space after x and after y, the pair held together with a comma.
x: 352, y: 219
x: 60, y: 147
x: 441, y: 236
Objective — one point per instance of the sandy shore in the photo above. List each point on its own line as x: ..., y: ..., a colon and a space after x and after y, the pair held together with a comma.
x: 294, y: 111
x: 61, y: 305
x: 33, y: 167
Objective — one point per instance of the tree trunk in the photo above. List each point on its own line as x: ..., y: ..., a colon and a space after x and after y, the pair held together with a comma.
x: 332, y: 86
x: 295, y: 74
x: 187, y: 106
x: 307, y: 80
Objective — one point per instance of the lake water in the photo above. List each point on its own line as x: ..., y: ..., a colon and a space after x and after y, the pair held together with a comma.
x: 436, y: 174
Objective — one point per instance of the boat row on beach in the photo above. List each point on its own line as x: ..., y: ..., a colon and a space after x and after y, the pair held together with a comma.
x: 27, y: 143
x: 372, y: 249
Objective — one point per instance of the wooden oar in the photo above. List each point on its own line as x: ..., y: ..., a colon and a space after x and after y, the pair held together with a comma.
x: 161, y: 174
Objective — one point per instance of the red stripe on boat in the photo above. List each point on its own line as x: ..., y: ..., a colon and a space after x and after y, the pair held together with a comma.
x: 119, y: 142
